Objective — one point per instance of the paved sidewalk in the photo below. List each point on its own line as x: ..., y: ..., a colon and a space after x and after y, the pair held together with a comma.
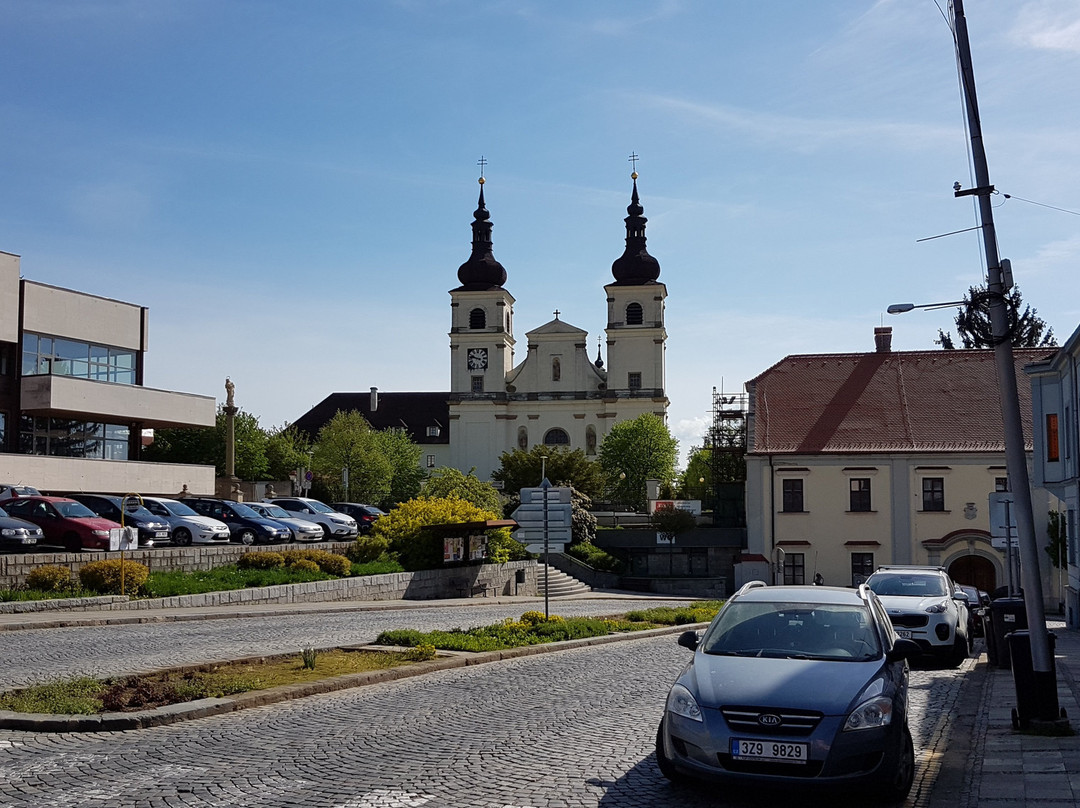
x: 987, y: 763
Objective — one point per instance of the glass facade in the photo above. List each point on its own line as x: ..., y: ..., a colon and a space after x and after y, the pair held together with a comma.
x: 64, y: 437
x: 64, y: 357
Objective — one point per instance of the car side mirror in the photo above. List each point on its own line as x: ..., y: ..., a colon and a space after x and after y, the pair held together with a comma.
x: 961, y: 596
x: 689, y: 639
x: 903, y: 649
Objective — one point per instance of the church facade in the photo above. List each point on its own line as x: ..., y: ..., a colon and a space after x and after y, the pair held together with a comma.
x: 504, y: 398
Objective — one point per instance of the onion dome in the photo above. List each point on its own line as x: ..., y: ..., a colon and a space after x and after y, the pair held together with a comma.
x: 635, y: 266
x: 481, y: 271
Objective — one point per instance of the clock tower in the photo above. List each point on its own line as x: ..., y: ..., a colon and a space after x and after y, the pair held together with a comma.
x: 481, y: 318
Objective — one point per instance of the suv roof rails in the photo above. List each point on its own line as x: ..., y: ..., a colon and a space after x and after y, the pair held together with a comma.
x: 751, y: 585
x: 924, y: 567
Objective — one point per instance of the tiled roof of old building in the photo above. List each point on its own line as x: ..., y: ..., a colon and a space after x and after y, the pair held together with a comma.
x: 903, y: 401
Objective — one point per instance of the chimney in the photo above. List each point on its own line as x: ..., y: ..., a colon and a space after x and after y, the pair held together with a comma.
x: 374, y: 398
x: 883, y: 339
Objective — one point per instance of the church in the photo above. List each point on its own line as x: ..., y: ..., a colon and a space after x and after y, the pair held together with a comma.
x: 553, y: 394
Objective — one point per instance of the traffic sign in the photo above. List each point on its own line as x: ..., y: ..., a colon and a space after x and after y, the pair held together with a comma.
x: 545, y: 515
x: 1003, y: 530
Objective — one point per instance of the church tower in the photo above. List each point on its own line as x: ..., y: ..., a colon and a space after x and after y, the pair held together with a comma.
x: 482, y: 317
x: 636, y: 337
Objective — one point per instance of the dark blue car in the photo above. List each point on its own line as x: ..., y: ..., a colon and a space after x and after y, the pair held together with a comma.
x: 794, y: 686
x: 245, y: 526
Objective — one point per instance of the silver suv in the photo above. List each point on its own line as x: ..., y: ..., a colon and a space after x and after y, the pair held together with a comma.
x: 336, y: 526
x: 925, y: 605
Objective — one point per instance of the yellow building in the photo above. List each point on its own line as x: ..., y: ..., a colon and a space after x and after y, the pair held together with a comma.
x: 858, y: 460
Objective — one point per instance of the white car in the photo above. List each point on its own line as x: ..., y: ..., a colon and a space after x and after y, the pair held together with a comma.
x: 187, y: 526
x: 14, y: 490
x: 925, y: 605
x: 336, y: 526
x: 302, y: 529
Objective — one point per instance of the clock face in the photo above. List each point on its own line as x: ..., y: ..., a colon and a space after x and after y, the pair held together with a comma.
x: 478, y: 359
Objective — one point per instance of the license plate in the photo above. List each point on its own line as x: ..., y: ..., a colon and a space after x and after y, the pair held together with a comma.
x: 903, y: 634
x: 29, y: 540
x: 161, y: 534
x: 744, y: 749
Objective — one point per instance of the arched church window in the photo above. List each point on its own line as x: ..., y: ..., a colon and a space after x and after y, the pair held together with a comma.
x: 556, y: 370
x: 477, y: 319
x: 634, y: 314
x: 556, y: 437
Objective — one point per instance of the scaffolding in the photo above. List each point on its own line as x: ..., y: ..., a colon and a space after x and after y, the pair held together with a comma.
x: 726, y: 444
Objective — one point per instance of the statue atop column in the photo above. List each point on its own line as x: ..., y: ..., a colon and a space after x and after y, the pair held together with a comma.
x: 230, y: 389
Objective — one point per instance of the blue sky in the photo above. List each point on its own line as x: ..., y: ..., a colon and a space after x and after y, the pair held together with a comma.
x: 289, y: 185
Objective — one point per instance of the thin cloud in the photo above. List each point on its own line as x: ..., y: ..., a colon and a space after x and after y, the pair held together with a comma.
x: 1049, y: 26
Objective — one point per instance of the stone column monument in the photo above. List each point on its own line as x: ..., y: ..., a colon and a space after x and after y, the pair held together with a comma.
x: 231, y: 481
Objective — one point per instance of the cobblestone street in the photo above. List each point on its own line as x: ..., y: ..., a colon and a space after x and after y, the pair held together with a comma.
x: 559, y: 730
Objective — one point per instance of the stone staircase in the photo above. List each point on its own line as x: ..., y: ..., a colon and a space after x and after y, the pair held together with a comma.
x: 560, y: 585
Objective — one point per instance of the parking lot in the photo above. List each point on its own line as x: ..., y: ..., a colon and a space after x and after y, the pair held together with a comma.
x: 572, y: 728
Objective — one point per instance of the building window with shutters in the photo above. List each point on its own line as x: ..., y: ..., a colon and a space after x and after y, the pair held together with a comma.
x: 792, y: 496
x: 634, y: 314
x: 477, y: 319
x: 933, y: 494
x: 860, y: 494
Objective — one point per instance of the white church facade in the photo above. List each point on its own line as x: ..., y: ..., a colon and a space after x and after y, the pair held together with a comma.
x: 552, y: 393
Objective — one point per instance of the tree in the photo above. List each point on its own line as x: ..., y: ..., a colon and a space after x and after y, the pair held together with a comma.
x: 406, y: 476
x: 522, y: 469
x: 349, y: 459
x: 286, y: 451
x: 1057, y: 548
x: 207, y: 446
x: 636, y: 451
x: 448, y: 482
x: 697, y: 479
x: 1026, y: 329
x: 418, y: 548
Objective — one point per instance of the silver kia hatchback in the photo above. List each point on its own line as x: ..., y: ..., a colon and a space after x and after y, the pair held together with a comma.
x: 794, y: 686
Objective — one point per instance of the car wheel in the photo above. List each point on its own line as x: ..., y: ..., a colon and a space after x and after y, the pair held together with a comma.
x: 959, y: 651
x: 246, y: 537
x: 181, y: 537
x: 667, y: 768
x: 899, y: 774
x: 72, y: 543
x: 327, y: 534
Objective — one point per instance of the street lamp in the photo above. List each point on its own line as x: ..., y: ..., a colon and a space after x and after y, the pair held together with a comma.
x: 901, y: 308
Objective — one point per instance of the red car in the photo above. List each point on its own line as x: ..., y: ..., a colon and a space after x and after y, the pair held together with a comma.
x: 64, y: 521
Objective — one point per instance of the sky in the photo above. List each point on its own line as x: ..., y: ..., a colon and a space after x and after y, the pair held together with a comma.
x: 288, y: 185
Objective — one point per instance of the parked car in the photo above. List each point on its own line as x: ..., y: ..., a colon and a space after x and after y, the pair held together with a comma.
x: 188, y: 527
x: 245, y: 525
x: 795, y: 687
x: 365, y: 515
x: 925, y: 606
x: 978, y: 602
x: 13, y: 490
x: 152, y: 529
x: 18, y: 534
x: 65, y: 522
x: 336, y: 526
x: 301, y: 529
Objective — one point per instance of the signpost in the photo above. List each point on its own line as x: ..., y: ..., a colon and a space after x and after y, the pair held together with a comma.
x: 129, y: 504
x: 1003, y: 533
x: 544, y: 518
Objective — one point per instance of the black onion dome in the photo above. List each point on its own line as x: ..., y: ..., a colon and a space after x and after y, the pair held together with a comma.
x: 481, y: 271
x: 635, y: 266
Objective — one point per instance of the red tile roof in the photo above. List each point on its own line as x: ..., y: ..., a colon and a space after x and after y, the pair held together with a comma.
x: 903, y: 401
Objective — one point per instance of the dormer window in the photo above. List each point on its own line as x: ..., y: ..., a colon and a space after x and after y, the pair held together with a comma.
x: 477, y: 319
x: 433, y: 432
x: 634, y: 314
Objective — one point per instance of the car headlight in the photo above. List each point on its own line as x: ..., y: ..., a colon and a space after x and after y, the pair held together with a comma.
x: 268, y: 529
x: 938, y: 608
x: 100, y: 532
x: 681, y: 701
x: 876, y: 712
x: 337, y: 521
x: 8, y: 531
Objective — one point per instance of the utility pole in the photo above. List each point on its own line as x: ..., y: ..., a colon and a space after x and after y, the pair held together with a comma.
x: 999, y: 279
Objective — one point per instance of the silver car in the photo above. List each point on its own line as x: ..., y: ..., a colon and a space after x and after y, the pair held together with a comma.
x: 301, y: 529
x: 187, y: 526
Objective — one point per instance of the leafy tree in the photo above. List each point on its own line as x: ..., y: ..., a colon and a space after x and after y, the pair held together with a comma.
x: 1057, y: 548
x: 1026, y: 328
x: 522, y: 469
x: 207, y: 446
x: 417, y: 548
x: 403, y: 455
x: 636, y: 451
x: 347, y: 446
x: 697, y: 479
x: 672, y: 522
x: 286, y: 451
x: 448, y: 482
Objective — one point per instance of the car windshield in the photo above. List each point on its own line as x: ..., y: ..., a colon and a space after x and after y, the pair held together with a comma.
x: 793, y: 631
x: 317, y: 506
x: 911, y: 586
x: 179, y: 509
x: 74, y: 510
x: 244, y: 510
x: 276, y: 511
